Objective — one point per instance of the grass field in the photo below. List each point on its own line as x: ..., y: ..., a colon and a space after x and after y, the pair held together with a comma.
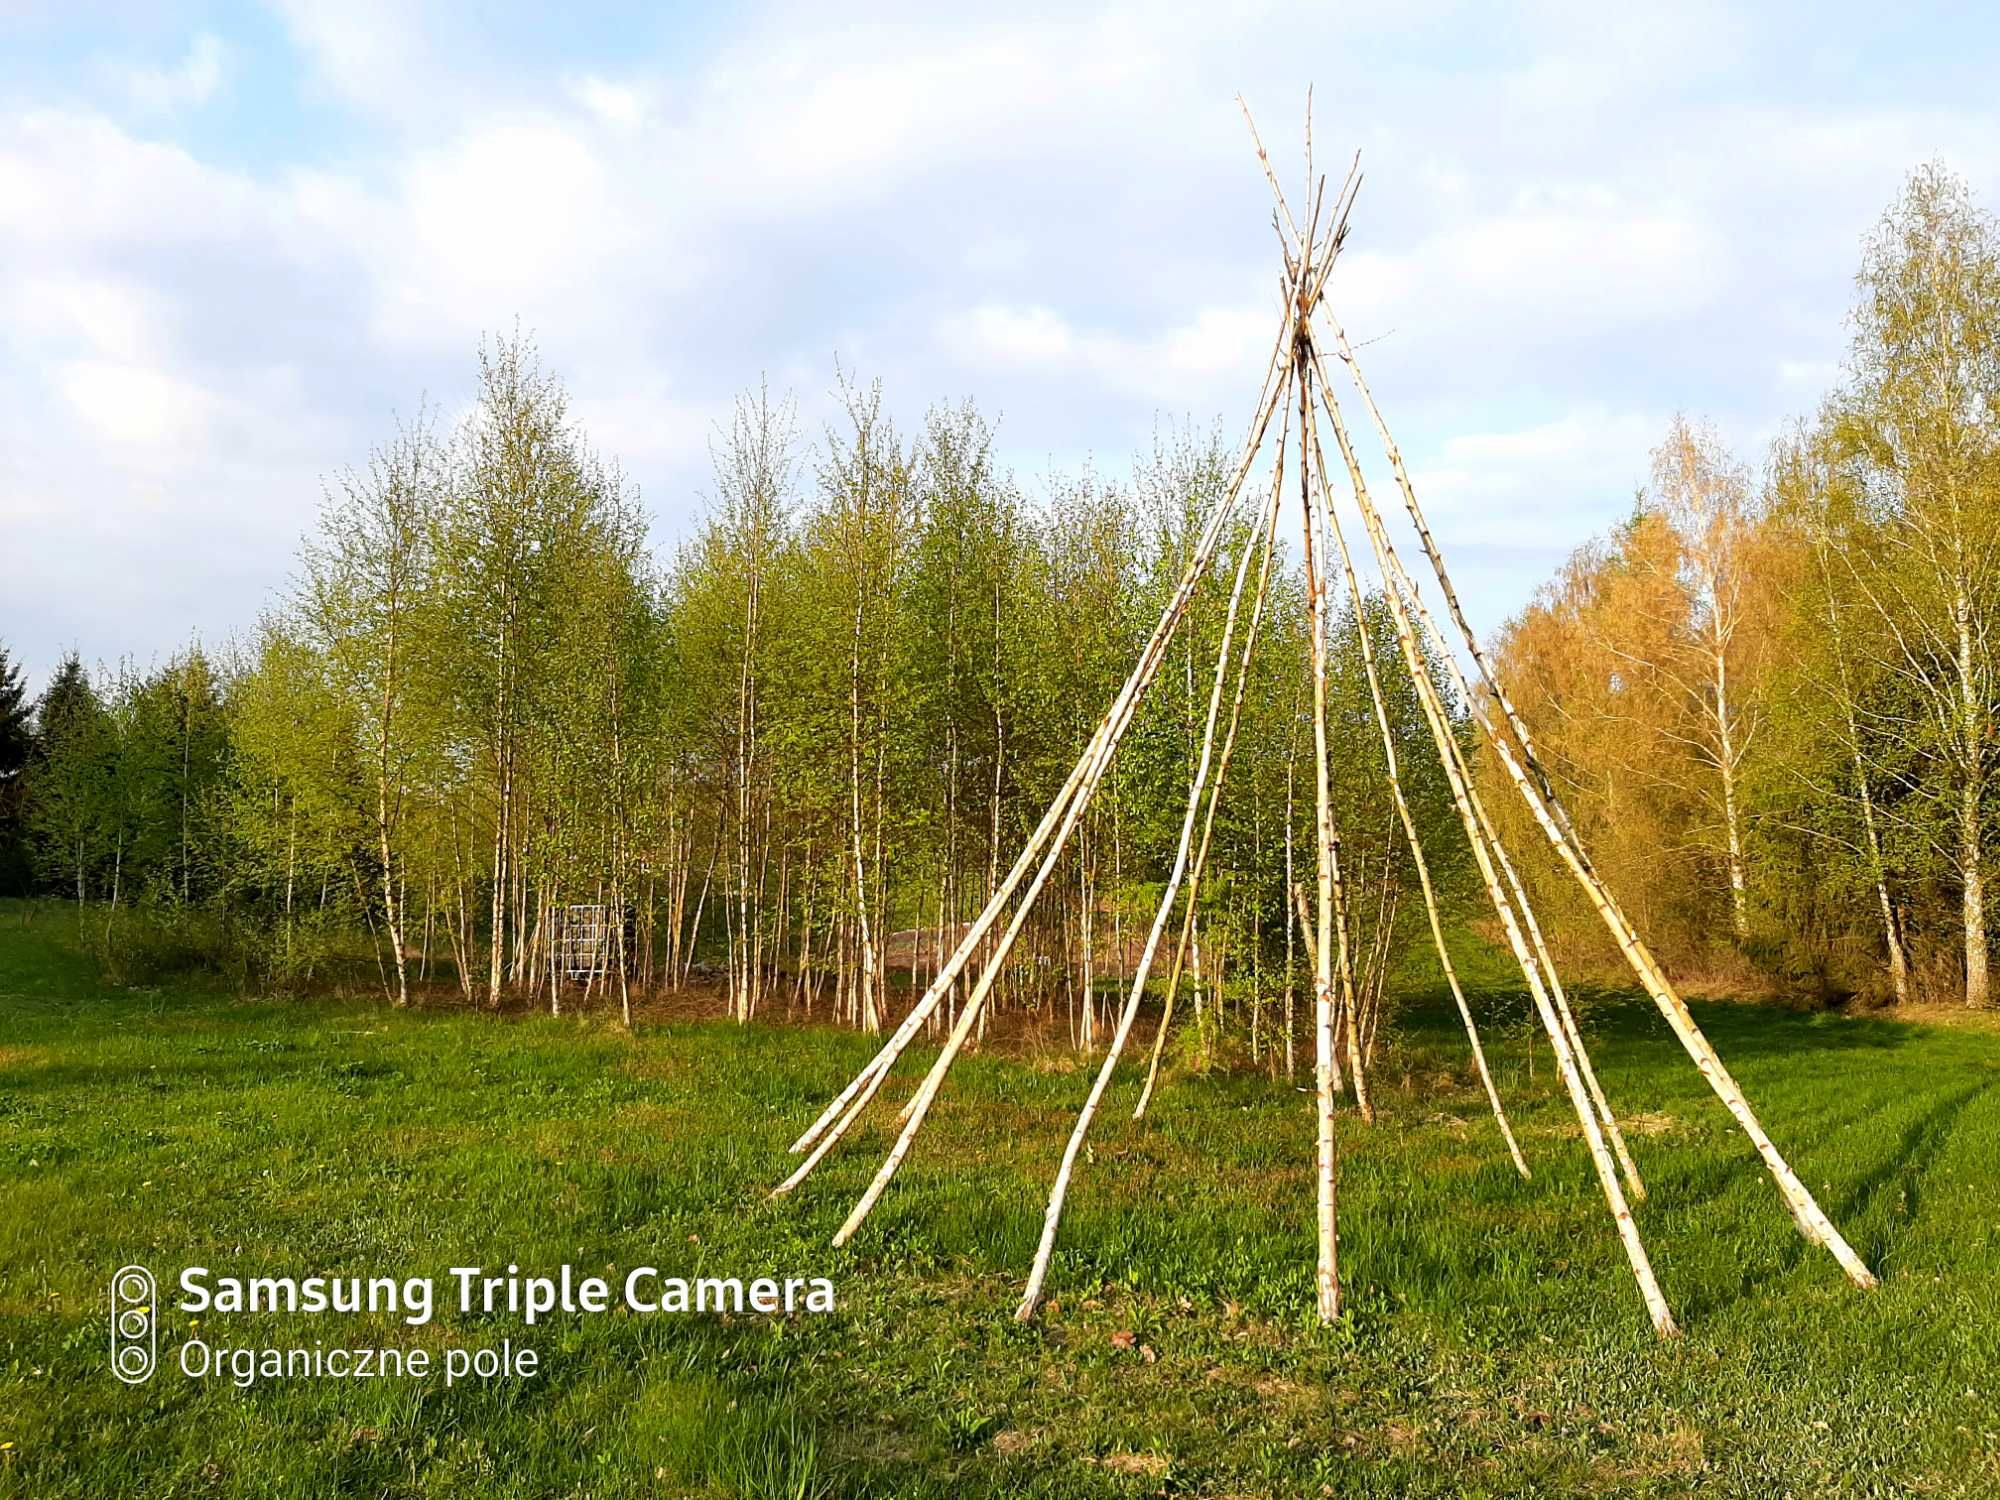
x: 1495, y: 1343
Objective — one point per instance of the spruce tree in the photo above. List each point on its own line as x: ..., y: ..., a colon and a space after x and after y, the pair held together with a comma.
x: 67, y: 790
x: 16, y: 743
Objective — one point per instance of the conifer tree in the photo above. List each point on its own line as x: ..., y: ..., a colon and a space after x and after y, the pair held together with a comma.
x: 17, y: 742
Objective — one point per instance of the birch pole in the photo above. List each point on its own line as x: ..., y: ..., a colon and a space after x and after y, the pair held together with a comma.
x: 1059, y: 1190
x: 1318, y: 521
x: 1326, y: 1272
x: 1291, y: 766
x: 1221, y: 780
x: 1302, y: 294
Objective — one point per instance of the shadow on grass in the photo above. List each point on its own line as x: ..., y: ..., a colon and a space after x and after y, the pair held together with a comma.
x: 1917, y: 1148
x: 1624, y: 1016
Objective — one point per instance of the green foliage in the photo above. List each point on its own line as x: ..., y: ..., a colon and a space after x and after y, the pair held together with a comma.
x: 801, y: 752
x: 162, y: 942
x: 69, y: 780
x: 16, y: 718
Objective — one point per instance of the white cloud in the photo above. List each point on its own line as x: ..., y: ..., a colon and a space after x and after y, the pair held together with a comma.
x: 1544, y: 487
x: 1561, y: 260
x: 190, y: 82
x: 136, y: 406
x: 643, y: 420
x: 520, y: 215
x: 1056, y: 214
x: 73, y: 183
x: 63, y: 309
x: 1021, y: 335
x: 369, y: 53
x: 1220, y: 348
x: 621, y: 106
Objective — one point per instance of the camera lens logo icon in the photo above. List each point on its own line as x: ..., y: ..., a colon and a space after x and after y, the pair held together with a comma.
x: 135, y: 1338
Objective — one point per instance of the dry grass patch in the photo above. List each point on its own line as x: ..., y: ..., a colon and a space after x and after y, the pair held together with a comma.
x: 1134, y: 1465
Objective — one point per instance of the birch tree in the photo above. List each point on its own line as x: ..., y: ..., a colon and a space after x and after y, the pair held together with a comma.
x: 516, y: 481
x: 863, y: 528
x: 1706, y: 498
x: 365, y: 602
x: 1919, y: 422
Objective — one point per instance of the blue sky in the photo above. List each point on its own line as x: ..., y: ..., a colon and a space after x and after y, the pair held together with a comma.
x: 236, y: 240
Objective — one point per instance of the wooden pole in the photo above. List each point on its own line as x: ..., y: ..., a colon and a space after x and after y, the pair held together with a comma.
x: 1326, y: 1145
x: 1221, y: 779
x: 1317, y: 522
x: 1059, y: 1191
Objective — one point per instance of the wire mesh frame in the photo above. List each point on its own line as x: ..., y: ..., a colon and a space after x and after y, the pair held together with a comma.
x: 583, y: 940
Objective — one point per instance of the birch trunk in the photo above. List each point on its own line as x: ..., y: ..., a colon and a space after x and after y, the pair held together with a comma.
x: 1973, y: 725
x: 1726, y: 767
x: 865, y: 1009
x: 392, y: 913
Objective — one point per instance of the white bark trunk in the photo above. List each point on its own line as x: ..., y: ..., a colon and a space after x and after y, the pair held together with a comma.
x: 1974, y: 770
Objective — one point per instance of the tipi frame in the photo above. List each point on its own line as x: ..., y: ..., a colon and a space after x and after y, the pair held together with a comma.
x: 1297, y: 394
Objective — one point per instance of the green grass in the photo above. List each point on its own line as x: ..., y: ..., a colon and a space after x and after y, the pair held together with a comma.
x: 1495, y: 1344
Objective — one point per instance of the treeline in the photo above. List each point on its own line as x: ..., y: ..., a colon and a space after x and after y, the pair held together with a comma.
x: 499, y: 738
x: 1771, y: 697
x: 787, y: 763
